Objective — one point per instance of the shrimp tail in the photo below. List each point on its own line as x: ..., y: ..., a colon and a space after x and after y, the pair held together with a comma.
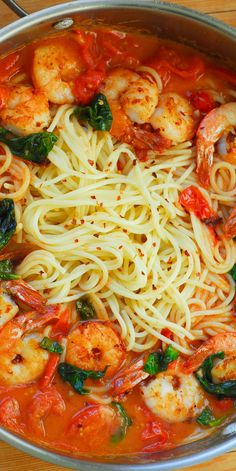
x: 230, y: 225
x: 204, y: 162
x: 129, y: 378
x: 25, y: 293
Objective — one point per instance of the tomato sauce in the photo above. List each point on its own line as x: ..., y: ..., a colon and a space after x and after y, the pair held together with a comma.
x: 183, y: 71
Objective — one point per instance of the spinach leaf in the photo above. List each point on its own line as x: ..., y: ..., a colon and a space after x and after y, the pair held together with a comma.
x: 51, y: 346
x: 76, y: 376
x: 34, y: 147
x: 207, y: 418
x: 159, y: 361
x: 6, y: 271
x: 85, y: 309
x: 125, y: 423
x: 7, y: 221
x: 98, y: 114
x: 203, y: 374
x: 232, y: 272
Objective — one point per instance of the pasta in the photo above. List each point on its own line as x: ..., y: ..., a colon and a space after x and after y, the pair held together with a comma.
x: 117, y: 250
x: 126, y: 237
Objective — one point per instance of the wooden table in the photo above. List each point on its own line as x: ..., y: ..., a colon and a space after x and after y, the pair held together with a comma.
x: 10, y: 458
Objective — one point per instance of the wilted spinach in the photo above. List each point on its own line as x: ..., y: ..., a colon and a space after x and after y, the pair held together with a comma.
x: 97, y: 114
x: 7, y: 221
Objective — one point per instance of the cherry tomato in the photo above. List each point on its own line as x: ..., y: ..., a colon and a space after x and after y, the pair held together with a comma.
x: 87, y: 85
x: 193, y: 200
x: 95, y: 425
x: 202, y: 101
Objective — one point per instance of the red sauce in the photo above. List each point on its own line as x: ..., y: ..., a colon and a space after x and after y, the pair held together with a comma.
x: 183, y: 71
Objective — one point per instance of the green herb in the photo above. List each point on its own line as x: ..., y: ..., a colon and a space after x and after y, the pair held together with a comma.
x: 232, y: 272
x: 85, y: 309
x: 207, y: 418
x: 51, y: 345
x: 34, y: 147
x: 76, y: 376
x: 158, y: 361
x: 203, y: 374
x: 98, y: 114
x: 7, y: 221
x: 6, y: 271
x: 125, y: 423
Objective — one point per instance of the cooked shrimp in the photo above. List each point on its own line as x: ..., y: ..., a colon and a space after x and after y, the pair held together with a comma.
x: 25, y: 293
x: 212, y: 127
x: 224, y: 370
x: 8, y: 309
x: 133, y: 98
x: 55, y: 66
x: 10, y: 414
x: 21, y: 358
x: 93, y: 345
x: 223, y: 342
x: 43, y: 403
x: 174, y: 118
x: 174, y: 396
x: 128, y: 378
x: 137, y: 94
x: 230, y: 225
x: 26, y: 110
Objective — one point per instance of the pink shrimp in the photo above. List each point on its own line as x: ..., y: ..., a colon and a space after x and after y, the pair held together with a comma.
x: 43, y: 403
x: 212, y: 127
x: 223, y: 342
x: 129, y: 377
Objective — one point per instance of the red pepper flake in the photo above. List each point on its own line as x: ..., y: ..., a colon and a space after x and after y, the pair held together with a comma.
x: 134, y: 162
x: 154, y: 174
x: 73, y: 221
x: 118, y: 198
x: 140, y: 252
x: 91, y: 162
x: 82, y: 221
x: 41, y: 272
x: 96, y: 235
x: 101, y: 205
x: 64, y: 180
x: 138, y: 291
x: 142, y: 273
x: 66, y: 226
x: 125, y: 231
x: 170, y: 260
x: 186, y: 253
x: 154, y: 244
x: 76, y: 240
x: 120, y: 247
x: 98, y: 248
x: 154, y: 287
x: 93, y: 197
x: 109, y: 164
x: 169, y: 268
x: 92, y: 222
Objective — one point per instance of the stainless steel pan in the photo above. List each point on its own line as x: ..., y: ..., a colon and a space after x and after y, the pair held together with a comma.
x: 170, y: 21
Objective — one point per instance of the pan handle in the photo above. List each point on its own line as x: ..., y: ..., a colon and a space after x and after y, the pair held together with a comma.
x: 16, y: 8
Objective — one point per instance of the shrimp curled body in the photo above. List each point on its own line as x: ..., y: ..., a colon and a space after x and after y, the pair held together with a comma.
x: 212, y: 127
x: 26, y: 110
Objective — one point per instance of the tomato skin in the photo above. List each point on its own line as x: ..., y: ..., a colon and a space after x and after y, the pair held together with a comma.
x: 202, y: 101
x: 223, y: 404
x: 49, y: 371
x: 9, y: 66
x: 87, y: 84
x: 193, y: 200
x: 224, y: 74
x: 169, y: 60
x: 4, y: 94
x: 167, y: 333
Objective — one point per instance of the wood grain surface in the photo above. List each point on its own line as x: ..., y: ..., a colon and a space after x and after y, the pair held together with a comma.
x: 10, y: 458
